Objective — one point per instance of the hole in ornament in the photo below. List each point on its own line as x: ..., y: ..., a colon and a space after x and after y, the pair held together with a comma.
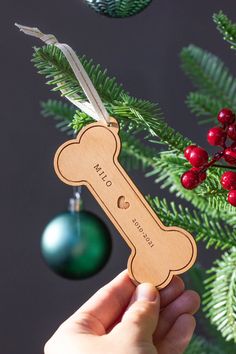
x: 122, y: 204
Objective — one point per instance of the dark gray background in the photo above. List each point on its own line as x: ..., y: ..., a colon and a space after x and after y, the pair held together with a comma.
x: 142, y: 52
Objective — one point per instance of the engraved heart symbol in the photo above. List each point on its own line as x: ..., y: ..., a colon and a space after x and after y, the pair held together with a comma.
x: 122, y: 204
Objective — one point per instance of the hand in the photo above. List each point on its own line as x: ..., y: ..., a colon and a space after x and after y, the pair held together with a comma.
x: 121, y: 318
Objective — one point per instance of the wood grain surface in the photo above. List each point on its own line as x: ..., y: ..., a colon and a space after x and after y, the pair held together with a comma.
x: 157, y: 252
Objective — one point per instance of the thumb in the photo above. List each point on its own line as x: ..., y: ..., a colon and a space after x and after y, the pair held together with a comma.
x: 141, y: 317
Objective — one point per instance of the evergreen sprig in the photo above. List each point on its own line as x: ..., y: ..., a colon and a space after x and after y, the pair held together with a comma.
x: 51, y: 62
x: 134, y: 154
x: 220, y: 297
x: 201, y: 225
x: 226, y: 27
x: 209, y: 75
x: 80, y: 120
x: 195, y: 279
x: 204, y: 105
x: 63, y: 113
x: 137, y: 113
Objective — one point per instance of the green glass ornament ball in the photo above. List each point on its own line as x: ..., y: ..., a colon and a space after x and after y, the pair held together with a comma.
x: 76, y: 245
x: 118, y: 8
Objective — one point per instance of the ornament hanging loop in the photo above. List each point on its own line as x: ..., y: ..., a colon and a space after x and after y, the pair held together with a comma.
x: 75, y: 202
x: 95, y: 107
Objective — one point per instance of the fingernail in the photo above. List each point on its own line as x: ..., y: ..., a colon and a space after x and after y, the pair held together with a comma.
x: 145, y: 292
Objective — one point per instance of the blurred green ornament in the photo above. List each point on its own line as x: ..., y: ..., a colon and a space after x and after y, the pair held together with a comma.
x: 118, y: 8
x: 76, y: 245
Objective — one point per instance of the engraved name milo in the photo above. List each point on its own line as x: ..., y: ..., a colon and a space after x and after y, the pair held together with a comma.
x: 102, y: 175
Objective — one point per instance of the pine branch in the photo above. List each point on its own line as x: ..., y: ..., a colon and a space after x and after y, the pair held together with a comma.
x: 201, y: 225
x: 58, y: 110
x: 226, y: 27
x: 220, y: 298
x: 194, y: 280
x: 204, y: 105
x: 200, y: 345
x: 79, y: 120
x: 134, y: 154
x: 50, y: 61
x: 208, y: 197
x: 138, y: 114
x: 62, y: 113
x: 209, y: 75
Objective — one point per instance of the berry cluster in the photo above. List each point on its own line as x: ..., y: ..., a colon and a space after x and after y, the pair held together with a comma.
x: 198, y: 157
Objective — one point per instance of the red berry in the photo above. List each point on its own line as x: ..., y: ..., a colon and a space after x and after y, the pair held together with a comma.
x: 190, y: 179
x: 231, y: 131
x: 216, y: 136
x: 198, y: 157
x: 188, y: 150
x: 201, y: 174
x: 230, y: 155
x: 228, y: 180
x: 232, y: 197
x: 226, y: 116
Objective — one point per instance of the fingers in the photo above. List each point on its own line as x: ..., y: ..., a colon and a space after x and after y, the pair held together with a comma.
x: 187, y: 303
x: 105, y: 306
x: 179, y: 336
x: 141, y: 317
x: 174, y: 289
x: 167, y: 295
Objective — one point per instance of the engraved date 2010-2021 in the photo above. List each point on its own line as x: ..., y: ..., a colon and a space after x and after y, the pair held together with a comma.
x: 144, y: 235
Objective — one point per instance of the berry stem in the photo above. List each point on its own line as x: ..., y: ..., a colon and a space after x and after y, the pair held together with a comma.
x: 215, y: 158
x: 224, y: 166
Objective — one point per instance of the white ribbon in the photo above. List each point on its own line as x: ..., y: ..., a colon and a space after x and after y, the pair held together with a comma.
x: 95, y: 108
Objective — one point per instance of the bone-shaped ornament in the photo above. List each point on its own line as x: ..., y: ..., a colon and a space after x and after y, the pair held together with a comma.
x: 157, y: 252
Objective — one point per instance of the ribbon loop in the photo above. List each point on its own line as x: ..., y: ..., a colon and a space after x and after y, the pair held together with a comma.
x: 95, y: 108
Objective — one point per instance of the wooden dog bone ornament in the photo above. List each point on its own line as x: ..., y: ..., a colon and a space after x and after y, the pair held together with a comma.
x: 157, y: 252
